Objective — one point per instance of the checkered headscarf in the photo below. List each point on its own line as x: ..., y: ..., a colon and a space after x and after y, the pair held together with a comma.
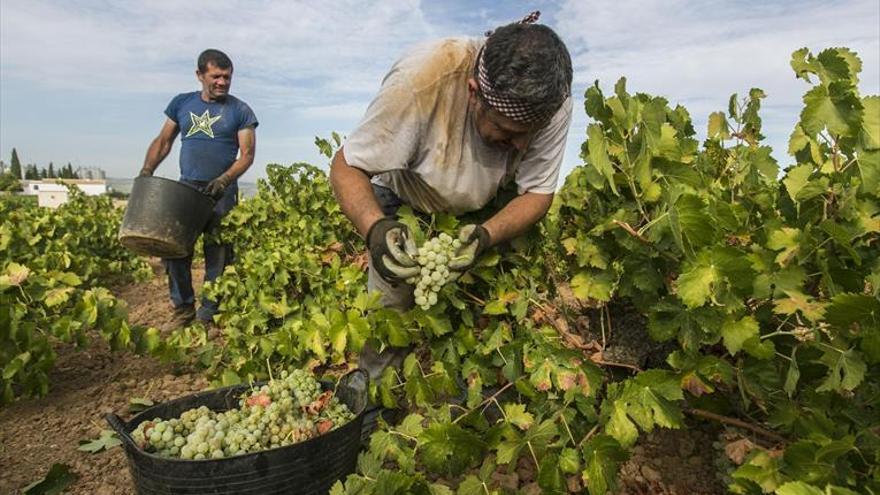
x: 511, y: 107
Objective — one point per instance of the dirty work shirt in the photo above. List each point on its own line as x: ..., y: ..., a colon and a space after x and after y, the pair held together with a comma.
x: 208, y: 133
x: 418, y: 137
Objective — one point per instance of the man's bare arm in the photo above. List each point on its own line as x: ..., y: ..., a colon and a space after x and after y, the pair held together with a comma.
x: 515, y: 218
x: 354, y: 193
x: 247, y: 146
x: 160, y: 147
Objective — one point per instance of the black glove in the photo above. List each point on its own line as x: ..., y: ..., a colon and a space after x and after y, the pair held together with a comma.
x: 474, y: 241
x: 392, y: 250
x: 145, y: 172
x: 216, y: 187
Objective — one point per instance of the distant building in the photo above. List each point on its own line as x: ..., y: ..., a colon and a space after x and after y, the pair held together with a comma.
x: 91, y: 173
x: 52, y: 193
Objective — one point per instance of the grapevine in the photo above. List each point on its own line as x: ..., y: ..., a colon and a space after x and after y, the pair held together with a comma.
x: 52, y: 266
x: 764, y: 290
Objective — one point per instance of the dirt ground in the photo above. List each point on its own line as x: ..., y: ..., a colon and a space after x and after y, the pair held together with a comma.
x: 88, y: 383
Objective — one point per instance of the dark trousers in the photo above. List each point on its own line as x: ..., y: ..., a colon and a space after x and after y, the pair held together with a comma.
x: 217, y: 257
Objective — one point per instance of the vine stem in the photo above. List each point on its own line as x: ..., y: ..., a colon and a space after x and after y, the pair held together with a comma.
x: 738, y: 423
x: 620, y: 365
x: 486, y: 401
x: 631, y: 231
x: 565, y: 423
x: 475, y: 298
x: 607, y: 319
x: 632, y: 185
x: 589, y: 435
x: 404, y: 435
x: 644, y: 228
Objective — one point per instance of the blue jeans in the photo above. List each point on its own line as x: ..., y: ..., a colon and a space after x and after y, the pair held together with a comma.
x: 217, y: 257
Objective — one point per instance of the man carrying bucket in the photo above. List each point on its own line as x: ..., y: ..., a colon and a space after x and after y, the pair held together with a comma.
x: 218, y: 142
x: 457, y: 123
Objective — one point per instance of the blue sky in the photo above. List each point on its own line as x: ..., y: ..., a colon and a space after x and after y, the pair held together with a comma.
x: 87, y: 81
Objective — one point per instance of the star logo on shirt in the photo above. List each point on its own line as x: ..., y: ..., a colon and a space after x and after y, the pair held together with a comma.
x: 202, y: 123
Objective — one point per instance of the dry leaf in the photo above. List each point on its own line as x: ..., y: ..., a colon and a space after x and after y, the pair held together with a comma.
x: 737, y: 450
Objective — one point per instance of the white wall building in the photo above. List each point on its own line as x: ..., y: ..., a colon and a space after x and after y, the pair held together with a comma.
x: 52, y: 193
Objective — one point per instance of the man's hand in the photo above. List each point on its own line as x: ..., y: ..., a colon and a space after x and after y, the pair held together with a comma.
x: 216, y: 187
x: 474, y: 240
x: 145, y: 172
x: 392, y: 250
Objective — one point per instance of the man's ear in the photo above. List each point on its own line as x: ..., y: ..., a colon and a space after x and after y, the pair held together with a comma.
x: 473, y: 87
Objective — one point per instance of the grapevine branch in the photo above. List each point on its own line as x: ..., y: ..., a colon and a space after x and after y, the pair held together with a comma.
x: 485, y: 402
x: 738, y: 423
x: 631, y: 231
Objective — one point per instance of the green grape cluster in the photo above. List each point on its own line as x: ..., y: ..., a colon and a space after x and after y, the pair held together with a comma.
x: 304, y: 386
x: 433, y: 259
x: 285, y: 411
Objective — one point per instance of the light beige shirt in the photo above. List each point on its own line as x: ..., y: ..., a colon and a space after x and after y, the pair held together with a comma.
x: 418, y: 137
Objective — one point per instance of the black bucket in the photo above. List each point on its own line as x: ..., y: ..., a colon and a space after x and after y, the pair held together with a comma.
x: 164, y: 217
x: 305, y: 468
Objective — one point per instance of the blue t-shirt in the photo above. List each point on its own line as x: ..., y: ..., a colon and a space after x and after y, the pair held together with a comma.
x: 208, y: 133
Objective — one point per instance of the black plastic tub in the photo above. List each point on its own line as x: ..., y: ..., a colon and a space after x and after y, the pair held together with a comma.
x: 306, y: 468
x: 164, y: 217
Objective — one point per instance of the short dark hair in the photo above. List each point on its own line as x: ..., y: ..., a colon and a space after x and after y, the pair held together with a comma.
x: 214, y: 57
x: 529, y: 62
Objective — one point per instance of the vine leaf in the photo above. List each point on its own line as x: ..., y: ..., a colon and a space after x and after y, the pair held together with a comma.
x: 847, y: 310
x: 694, y: 286
x: 648, y: 400
x: 796, y: 301
x: 602, y: 457
x: 106, y: 441
x: 593, y: 285
x: 517, y: 415
x: 847, y: 370
x: 56, y: 481
x: 735, y: 333
x: 448, y: 448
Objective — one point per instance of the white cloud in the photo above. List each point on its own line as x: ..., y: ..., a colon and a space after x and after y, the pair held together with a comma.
x: 309, y: 67
x: 698, y: 53
x: 134, y: 46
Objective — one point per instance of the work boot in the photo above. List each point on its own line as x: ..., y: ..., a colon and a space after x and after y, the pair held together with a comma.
x: 374, y: 362
x: 183, y: 315
x: 205, y: 315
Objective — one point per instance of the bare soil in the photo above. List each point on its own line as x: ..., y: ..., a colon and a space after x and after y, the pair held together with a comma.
x: 89, y: 382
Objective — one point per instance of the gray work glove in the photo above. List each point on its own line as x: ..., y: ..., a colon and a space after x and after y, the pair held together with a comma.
x: 392, y: 250
x: 145, y: 172
x: 474, y: 241
x: 216, y: 187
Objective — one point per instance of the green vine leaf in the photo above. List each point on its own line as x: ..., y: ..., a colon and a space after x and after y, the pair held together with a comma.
x: 448, y: 448
x: 106, y: 441
x: 602, y: 457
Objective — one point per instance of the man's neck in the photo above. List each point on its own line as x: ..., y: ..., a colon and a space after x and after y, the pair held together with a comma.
x: 207, y: 98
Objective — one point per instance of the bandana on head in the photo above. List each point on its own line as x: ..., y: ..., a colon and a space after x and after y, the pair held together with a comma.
x: 511, y: 107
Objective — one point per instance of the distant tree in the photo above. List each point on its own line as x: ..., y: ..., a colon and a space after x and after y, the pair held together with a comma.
x: 9, y: 183
x: 43, y: 173
x: 51, y: 172
x: 15, y: 165
x: 31, y: 172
